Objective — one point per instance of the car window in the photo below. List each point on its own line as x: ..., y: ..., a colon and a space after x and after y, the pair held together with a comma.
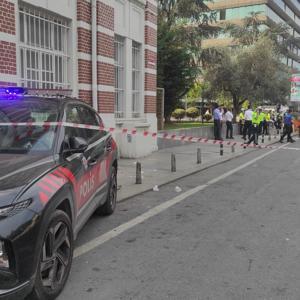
x: 73, y: 116
x: 27, y: 139
x: 91, y: 118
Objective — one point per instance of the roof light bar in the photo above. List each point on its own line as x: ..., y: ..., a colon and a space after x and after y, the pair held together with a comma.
x: 13, y: 91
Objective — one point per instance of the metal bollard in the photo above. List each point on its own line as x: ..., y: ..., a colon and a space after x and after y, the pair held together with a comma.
x: 173, y: 163
x: 263, y: 138
x: 232, y: 149
x: 138, y: 179
x: 221, y: 149
x: 199, y: 158
x: 269, y: 137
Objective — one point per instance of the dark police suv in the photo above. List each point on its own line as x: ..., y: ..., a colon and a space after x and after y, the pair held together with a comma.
x: 54, y: 174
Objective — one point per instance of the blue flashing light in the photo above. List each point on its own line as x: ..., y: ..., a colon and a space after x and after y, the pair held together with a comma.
x: 13, y: 91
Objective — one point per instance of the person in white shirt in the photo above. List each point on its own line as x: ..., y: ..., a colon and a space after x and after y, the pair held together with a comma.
x: 228, y: 116
x: 248, y: 123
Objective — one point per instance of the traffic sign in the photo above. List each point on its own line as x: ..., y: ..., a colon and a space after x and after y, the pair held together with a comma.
x: 295, y: 88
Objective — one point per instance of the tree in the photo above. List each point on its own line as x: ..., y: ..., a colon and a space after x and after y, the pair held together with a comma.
x: 182, y: 24
x: 253, y: 72
x: 252, y: 69
x: 253, y: 28
x: 248, y: 32
x: 176, y: 74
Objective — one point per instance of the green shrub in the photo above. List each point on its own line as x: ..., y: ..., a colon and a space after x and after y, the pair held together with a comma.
x: 178, y: 113
x: 192, y: 112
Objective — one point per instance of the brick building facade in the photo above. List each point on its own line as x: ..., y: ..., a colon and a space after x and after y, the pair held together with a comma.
x: 102, y: 51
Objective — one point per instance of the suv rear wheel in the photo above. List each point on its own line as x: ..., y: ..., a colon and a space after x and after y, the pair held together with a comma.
x: 55, y: 258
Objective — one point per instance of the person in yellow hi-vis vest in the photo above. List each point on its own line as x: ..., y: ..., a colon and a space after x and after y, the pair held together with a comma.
x: 267, y: 123
x: 254, y: 128
x: 241, y: 121
x: 261, y: 119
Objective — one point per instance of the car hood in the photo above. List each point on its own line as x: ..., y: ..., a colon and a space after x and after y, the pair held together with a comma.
x: 19, y: 171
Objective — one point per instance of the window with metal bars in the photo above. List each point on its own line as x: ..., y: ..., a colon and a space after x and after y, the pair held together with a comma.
x: 119, y: 77
x: 44, y: 48
x: 136, y: 79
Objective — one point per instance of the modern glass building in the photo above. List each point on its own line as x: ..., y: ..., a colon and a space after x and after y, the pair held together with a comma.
x: 270, y: 12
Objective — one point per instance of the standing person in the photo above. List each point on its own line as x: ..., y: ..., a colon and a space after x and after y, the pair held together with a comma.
x: 288, y: 127
x: 254, y: 128
x: 248, y: 123
x: 278, y: 122
x: 261, y: 120
x: 241, y: 121
x: 222, y: 110
x: 267, y: 123
x: 217, y: 115
x: 228, y: 119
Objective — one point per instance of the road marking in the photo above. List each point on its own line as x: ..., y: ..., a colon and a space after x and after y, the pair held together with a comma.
x: 98, y: 241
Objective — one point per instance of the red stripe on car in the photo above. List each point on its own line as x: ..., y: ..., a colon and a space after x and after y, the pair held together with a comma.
x: 51, y: 182
x: 46, y: 187
x: 43, y: 197
x: 58, y: 179
x: 68, y: 174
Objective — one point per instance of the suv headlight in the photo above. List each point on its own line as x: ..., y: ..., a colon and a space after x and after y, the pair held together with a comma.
x: 4, y: 262
x: 14, y: 208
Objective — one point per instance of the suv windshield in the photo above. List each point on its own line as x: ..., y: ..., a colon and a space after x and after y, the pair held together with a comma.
x: 31, y: 139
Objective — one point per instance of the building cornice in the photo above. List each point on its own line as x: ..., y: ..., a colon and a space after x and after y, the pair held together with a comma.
x: 140, y: 3
x: 218, y: 42
x: 225, y: 42
x: 234, y: 3
x: 223, y: 23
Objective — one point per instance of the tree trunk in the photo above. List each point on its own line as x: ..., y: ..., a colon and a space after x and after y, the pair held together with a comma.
x: 236, y: 107
x: 167, y: 118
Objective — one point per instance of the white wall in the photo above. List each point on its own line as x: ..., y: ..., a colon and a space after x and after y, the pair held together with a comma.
x: 129, y: 20
x: 130, y: 24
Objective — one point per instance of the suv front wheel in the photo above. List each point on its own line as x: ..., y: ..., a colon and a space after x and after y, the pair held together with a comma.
x: 55, y: 258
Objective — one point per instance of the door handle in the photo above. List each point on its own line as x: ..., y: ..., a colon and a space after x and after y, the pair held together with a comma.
x: 92, y: 161
x: 108, y: 145
x: 108, y: 148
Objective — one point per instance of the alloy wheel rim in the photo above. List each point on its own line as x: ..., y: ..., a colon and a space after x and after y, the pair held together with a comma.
x: 55, y: 256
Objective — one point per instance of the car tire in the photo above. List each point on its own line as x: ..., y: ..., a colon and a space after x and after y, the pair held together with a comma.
x: 111, y: 199
x: 55, y: 260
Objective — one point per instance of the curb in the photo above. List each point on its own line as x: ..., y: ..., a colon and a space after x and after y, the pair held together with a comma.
x: 194, y: 172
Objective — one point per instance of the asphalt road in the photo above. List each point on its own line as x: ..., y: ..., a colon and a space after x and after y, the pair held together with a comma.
x: 232, y: 233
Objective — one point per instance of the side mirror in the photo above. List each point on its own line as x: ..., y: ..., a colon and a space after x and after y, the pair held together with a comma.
x: 77, y: 145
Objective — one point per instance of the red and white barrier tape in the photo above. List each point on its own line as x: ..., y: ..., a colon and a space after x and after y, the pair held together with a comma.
x: 134, y: 131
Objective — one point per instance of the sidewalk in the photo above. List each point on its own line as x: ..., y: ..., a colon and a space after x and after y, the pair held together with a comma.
x: 156, y: 168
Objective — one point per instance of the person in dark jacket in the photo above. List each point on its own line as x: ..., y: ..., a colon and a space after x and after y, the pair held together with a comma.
x: 288, y: 127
